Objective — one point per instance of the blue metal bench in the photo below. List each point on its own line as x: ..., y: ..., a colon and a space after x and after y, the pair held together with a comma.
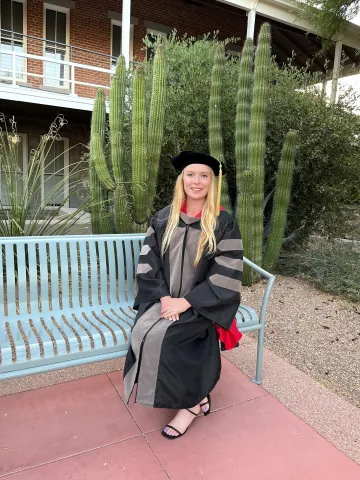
x: 67, y: 301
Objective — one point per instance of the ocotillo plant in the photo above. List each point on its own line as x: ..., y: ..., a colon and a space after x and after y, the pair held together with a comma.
x: 216, y: 144
x: 281, y: 200
x: 146, y: 145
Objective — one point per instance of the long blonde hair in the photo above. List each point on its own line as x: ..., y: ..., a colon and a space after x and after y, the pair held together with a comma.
x: 208, y: 218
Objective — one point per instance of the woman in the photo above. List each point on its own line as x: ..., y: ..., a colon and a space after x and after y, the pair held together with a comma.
x: 189, y: 278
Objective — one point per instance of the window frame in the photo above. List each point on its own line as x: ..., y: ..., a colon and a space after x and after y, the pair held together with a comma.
x: 24, y: 73
x: 66, y: 176
x: 154, y: 33
x: 66, y: 79
x: 118, y: 23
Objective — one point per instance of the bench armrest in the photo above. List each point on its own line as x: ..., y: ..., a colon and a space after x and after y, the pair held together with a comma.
x: 269, y: 286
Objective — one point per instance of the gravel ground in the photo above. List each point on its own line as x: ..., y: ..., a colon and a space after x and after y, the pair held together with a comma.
x: 316, y: 332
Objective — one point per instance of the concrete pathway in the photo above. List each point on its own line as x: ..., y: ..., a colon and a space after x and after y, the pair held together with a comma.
x: 83, y: 430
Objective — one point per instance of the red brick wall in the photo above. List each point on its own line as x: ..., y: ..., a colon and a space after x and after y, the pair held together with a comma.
x: 90, y: 28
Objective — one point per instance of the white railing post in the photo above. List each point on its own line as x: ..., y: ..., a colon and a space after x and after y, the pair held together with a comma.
x: 125, y: 30
x: 13, y: 69
x: 73, y: 80
x: 336, y: 71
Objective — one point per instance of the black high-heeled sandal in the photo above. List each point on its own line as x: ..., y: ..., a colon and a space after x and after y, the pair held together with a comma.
x: 173, y: 437
x: 206, y: 403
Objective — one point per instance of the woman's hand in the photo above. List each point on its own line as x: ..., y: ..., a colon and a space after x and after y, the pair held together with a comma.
x: 173, y: 307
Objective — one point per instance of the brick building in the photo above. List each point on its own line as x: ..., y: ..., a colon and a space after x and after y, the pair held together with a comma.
x: 54, y: 54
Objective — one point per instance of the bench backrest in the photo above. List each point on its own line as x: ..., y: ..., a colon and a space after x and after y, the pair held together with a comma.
x: 43, y: 274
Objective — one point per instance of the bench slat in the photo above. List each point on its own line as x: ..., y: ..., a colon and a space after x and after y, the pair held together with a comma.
x: 129, y: 271
x: 64, y: 266
x: 112, y: 282
x: 121, y: 270
x: 74, y: 269
x: 54, y: 277
x: 44, y: 281
x: 84, y: 272
x: 94, y: 273
x: 103, y: 271
x: 33, y: 277
x: 10, y: 280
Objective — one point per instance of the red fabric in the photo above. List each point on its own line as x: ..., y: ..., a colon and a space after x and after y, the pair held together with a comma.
x: 229, y: 338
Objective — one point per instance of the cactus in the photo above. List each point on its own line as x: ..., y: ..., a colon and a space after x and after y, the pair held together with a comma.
x: 156, y: 122
x: 243, y: 109
x: 100, y: 221
x: 244, y: 217
x: 107, y: 172
x: 256, y: 148
x: 216, y: 144
x: 281, y: 200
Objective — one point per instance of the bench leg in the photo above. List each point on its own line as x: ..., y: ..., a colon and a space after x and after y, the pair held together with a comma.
x: 259, y: 356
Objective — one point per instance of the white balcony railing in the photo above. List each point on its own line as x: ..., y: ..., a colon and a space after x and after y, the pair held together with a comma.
x: 68, y: 76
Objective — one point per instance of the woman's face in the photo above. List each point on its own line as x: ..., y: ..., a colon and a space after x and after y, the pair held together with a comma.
x: 197, y: 181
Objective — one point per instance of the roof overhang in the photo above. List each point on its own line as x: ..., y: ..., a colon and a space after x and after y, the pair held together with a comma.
x: 287, y: 12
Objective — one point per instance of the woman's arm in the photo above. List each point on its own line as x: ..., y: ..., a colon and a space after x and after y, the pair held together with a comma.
x: 150, y: 276
x: 217, y: 298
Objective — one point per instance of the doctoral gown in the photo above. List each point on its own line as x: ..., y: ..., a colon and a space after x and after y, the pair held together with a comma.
x: 176, y: 364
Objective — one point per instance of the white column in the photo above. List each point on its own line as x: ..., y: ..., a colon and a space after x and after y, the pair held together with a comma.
x: 251, y: 14
x: 336, y: 71
x: 125, y: 31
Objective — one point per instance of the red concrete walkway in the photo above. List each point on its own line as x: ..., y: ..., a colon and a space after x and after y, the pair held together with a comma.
x: 83, y: 430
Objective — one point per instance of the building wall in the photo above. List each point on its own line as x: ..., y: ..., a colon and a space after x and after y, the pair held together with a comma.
x: 90, y: 28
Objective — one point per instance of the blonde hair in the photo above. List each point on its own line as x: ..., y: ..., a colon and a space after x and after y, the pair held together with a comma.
x: 208, y: 218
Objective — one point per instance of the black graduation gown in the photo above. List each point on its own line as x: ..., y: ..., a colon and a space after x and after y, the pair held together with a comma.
x: 176, y: 364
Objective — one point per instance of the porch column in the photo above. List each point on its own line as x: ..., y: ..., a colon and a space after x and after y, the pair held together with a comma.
x: 125, y: 31
x: 336, y: 71
x: 251, y: 14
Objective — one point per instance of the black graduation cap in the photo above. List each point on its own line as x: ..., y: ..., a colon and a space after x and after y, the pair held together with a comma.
x: 186, y: 158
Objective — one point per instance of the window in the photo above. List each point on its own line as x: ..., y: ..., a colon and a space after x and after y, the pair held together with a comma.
x: 57, y: 35
x: 233, y: 50
x: 12, y: 21
x: 116, y: 32
x: 55, y: 172
x: 152, y: 36
x: 21, y: 152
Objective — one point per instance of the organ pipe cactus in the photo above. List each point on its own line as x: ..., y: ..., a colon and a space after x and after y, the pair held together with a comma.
x: 257, y: 131
x: 100, y: 221
x: 216, y: 144
x: 250, y: 147
x: 145, y: 151
x: 281, y: 200
x: 245, y: 220
x: 243, y: 108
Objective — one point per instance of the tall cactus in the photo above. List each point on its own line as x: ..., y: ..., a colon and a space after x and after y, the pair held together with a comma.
x: 110, y: 170
x: 243, y: 108
x: 245, y: 220
x: 216, y: 144
x: 139, y: 148
x: 281, y: 200
x: 156, y: 122
x: 257, y: 132
x: 100, y: 221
